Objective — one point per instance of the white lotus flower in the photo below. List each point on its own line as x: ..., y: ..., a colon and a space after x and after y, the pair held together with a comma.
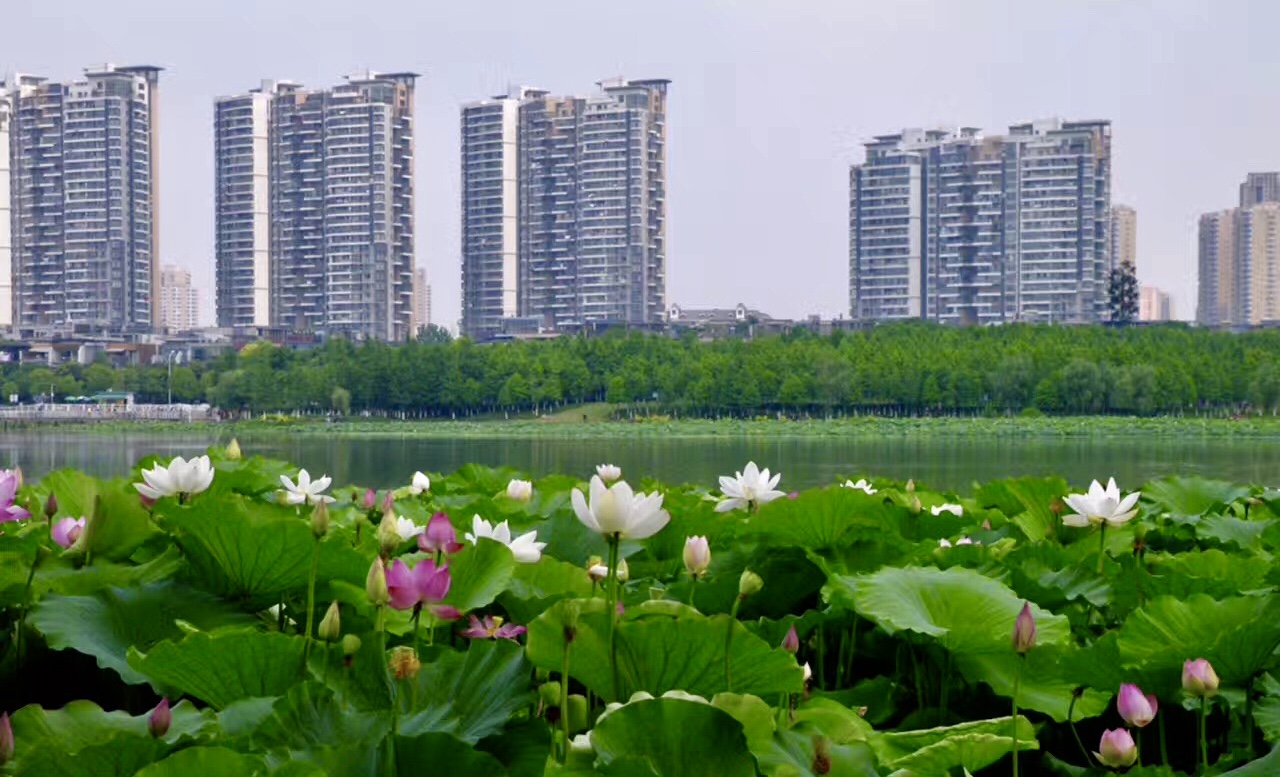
x: 944, y: 543
x: 598, y: 572
x: 180, y: 477
x: 1101, y: 505
x: 808, y: 673
x: 966, y: 541
x: 752, y: 486
x: 525, y: 548
x: 608, y: 472
x: 305, y: 490
x: 862, y: 485
x: 420, y: 483
x: 406, y: 528
x: 955, y: 510
x: 520, y: 490
x: 617, y: 511
x: 274, y: 612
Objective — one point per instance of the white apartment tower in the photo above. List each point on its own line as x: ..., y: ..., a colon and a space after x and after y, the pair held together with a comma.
x: 421, y: 302
x: 179, y: 301
x: 315, y: 221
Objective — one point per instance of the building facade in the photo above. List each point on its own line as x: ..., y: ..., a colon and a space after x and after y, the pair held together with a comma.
x: 421, y: 317
x: 564, y: 209
x: 80, y: 241
x: 960, y: 228
x: 1217, y: 301
x: 1124, y: 236
x: 179, y: 301
x: 1154, y: 304
x: 314, y: 209
x: 1259, y: 188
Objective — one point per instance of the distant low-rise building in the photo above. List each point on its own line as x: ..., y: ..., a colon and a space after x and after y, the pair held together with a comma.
x: 1154, y: 304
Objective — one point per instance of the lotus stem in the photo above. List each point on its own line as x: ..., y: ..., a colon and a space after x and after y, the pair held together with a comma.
x: 1071, y: 721
x: 1164, y: 749
x: 728, y: 643
x: 1204, y: 735
x: 311, y: 598
x: 693, y: 587
x: 26, y: 606
x: 564, y: 701
x: 611, y: 607
x: 1102, y: 546
x: 1017, y: 680
x: 1248, y: 715
x: 417, y: 631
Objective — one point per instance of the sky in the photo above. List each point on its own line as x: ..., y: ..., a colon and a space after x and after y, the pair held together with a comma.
x: 770, y: 103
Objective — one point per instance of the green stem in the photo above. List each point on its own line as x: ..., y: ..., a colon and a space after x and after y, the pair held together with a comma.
x: 417, y: 631
x: 564, y: 701
x: 1017, y: 680
x: 1102, y: 546
x: 693, y: 587
x: 1164, y: 749
x: 784, y: 710
x: 1248, y: 717
x: 1071, y: 708
x: 26, y: 605
x: 728, y: 643
x: 611, y: 606
x: 1204, y: 735
x: 311, y: 598
x: 820, y: 675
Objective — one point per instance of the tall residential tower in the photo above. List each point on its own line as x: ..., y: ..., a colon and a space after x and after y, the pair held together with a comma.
x: 315, y: 222
x: 79, y: 242
x: 564, y: 208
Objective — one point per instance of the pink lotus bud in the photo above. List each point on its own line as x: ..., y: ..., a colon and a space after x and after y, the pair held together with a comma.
x: 6, y: 739
x: 791, y: 642
x: 1198, y: 678
x: 51, y: 506
x: 67, y: 531
x: 1117, y: 749
x: 1136, y: 709
x: 793, y: 495
x: 440, y: 536
x: 161, y: 717
x: 388, y: 503
x: 370, y: 499
x: 697, y: 555
x: 1024, y: 630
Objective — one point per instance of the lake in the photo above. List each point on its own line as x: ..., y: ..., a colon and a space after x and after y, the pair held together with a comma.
x: 947, y: 462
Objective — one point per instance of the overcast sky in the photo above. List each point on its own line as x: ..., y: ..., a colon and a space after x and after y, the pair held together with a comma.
x: 770, y: 101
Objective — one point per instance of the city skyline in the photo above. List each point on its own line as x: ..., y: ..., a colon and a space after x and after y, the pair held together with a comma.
x: 733, y: 167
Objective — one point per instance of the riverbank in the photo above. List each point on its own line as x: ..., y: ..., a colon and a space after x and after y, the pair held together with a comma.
x: 864, y: 427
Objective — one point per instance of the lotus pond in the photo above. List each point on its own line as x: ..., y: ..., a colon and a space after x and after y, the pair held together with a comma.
x: 236, y: 616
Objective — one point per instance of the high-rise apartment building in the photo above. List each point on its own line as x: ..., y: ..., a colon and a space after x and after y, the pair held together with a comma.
x: 960, y: 228
x: 179, y: 301
x: 1259, y: 188
x: 1124, y: 236
x: 77, y: 198
x: 564, y: 208
x: 1217, y: 302
x: 1154, y: 304
x: 1239, y: 258
x: 315, y: 222
x: 421, y: 316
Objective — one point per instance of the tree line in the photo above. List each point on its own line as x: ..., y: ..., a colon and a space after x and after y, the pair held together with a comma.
x: 911, y: 368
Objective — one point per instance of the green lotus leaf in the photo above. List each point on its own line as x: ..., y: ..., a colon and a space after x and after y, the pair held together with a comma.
x: 206, y: 762
x: 971, y: 745
x: 672, y: 737
x: 117, y: 755
x: 1191, y: 496
x: 803, y: 751
x: 1027, y: 502
x: 83, y: 724
x: 535, y: 587
x: 470, y: 695
x: 225, y: 667
x: 822, y: 519
x: 118, y: 524
x: 1229, y: 530
x: 416, y: 754
x: 309, y: 715
x: 479, y: 573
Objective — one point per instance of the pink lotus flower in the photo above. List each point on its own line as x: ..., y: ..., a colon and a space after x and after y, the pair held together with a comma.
x: 10, y: 482
x: 424, y: 585
x: 161, y: 718
x: 491, y: 627
x: 1117, y: 749
x: 1136, y: 709
x: 1024, y: 630
x: 1198, y: 678
x: 440, y: 536
x: 370, y: 499
x: 791, y: 642
x: 67, y: 531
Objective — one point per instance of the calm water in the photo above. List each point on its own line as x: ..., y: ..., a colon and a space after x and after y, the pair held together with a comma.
x: 943, y: 463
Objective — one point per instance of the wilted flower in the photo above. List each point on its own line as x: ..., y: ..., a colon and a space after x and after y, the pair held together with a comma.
x: 1136, y: 709
x: 440, y: 536
x: 1024, y: 629
x: 956, y: 510
x: 1101, y: 505
x: 404, y: 663
x: 420, y: 483
x: 608, y: 473
x: 520, y: 490
x: 160, y: 719
x: 525, y: 548
x: 862, y: 485
x: 791, y: 642
x: 491, y: 627
x: 233, y: 450
x: 305, y: 490
x: 67, y: 531
x: 331, y: 624
x: 423, y: 585
x: 6, y: 739
x: 180, y: 478
x: 697, y: 555
x: 749, y: 488
x: 1117, y: 748
x: 375, y: 585
x: 1198, y: 678
x: 618, y: 512
x: 749, y: 583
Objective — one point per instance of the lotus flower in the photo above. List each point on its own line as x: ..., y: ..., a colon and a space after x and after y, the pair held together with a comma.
x: 181, y: 478
x: 808, y: 673
x: 862, y: 485
x: 697, y: 555
x: 1198, y: 678
x: 67, y: 531
x: 956, y: 510
x: 420, y: 483
x: 233, y: 450
x: 748, y: 488
x: 1101, y: 505
x: 597, y: 570
x: 423, y: 585
x: 1024, y: 629
x: 160, y: 719
x: 944, y: 543
x: 370, y: 499
x: 1116, y: 749
x: 375, y: 584
x: 520, y: 490
x: 525, y: 548
x: 791, y: 642
x: 1136, y: 709
x: 305, y: 490
x: 615, y: 511
x: 51, y: 505
x: 491, y: 627
x: 608, y: 473
x: 440, y: 536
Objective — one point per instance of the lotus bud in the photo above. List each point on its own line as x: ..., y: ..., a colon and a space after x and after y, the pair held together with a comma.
x: 388, y: 538
x: 320, y: 520
x: 6, y: 740
x: 749, y: 583
x: 697, y: 556
x: 608, y: 472
x: 1024, y: 630
x: 577, y: 712
x: 375, y: 585
x: 233, y: 450
x: 67, y: 531
x: 161, y: 717
x: 520, y: 490
x: 1136, y: 709
x: 388, y: 503
x: 1117, y: 749
x: 549, y: 693
x: 1199, y: 679
x: 791, y: 642
x: 331, y: 624
x: 350, y: 645
x: 911, y: 486
x: 440, y: 536
x: 404, y: 663
x: 370, y: 499
x: 596, y: 570
x: 624, y: 572
x: 50, y: 506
